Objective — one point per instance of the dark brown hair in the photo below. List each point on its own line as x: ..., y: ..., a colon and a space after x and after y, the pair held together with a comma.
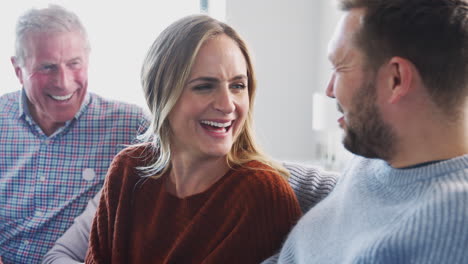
x: 432, y: 34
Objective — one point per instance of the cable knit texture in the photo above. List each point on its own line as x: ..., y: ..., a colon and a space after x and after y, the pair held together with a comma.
x: 243, y: 218
x: 378, y: 214
x: 310, y: 183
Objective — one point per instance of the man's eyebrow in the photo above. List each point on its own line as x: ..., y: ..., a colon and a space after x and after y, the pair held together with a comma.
x: 55, y: 63
x: 76, y: 59
x: 47, y: 63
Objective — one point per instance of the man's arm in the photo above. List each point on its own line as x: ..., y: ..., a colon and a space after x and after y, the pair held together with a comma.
x: 71, y: 247
x: 310, y: 184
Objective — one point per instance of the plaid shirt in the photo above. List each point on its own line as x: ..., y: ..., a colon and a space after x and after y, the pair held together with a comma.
x: 45, y: 182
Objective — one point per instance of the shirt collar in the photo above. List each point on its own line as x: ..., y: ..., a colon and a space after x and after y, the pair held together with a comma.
x: 84, y: 106
x: 23, y: 105
x: 24, y: 110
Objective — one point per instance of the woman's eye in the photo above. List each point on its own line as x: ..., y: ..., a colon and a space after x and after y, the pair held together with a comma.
x: 203, y: 87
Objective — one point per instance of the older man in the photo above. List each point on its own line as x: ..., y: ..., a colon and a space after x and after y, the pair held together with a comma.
x: 400, y: 80
x: 56, y: 138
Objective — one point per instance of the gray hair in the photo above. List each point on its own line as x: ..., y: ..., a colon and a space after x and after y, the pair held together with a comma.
x: 53, y: 19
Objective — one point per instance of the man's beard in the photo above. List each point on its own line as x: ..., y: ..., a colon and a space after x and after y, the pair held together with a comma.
x: 366, y: 134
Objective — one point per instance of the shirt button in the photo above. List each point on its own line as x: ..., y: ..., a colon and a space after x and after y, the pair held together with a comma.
x: 26, y: 242
x: 39, y: 213
x: 89, y: 174
x: 42, y: 178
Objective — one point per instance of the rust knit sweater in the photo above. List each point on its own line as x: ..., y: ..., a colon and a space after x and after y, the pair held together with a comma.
x: 243, y: 218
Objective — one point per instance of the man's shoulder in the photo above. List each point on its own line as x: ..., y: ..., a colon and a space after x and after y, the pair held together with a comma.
x: 10, y: 101
x: 113, y: 108
x: 116, y: 114
x: 436, y: 226
x: 438, y: 213
x: 446, y: 193
x: 302, y: 173
x: 10, y: 108
x: 310, y: 183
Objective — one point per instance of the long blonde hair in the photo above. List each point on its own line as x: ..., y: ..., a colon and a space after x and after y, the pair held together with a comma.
x: 164, y: 74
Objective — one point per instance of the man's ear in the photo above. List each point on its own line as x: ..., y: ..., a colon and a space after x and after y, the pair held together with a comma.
x: 17, y: 68
x: 402, y: 73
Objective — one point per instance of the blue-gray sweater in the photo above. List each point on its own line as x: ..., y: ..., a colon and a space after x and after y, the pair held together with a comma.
x: 378, y: 214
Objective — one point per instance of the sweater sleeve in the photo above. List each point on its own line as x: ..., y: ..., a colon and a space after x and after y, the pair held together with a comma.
x: 102, y: 230
x: 71, y: 247
x: 269, y: 209
x: 310, y: 184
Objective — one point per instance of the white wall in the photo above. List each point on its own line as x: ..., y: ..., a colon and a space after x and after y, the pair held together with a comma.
x: 289, y: 42
x: 288, y: 39
x: 120, y: 33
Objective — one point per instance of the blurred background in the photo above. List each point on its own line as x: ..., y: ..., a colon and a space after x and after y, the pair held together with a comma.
x: 294, y: 120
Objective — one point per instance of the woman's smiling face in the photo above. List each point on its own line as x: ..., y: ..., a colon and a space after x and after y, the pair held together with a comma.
x: 214, y: 104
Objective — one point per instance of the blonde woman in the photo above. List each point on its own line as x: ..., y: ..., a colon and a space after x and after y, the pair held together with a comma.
x: 199, y: 191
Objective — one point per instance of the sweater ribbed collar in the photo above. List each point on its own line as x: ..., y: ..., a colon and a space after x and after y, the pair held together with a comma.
x: 388, y: 175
